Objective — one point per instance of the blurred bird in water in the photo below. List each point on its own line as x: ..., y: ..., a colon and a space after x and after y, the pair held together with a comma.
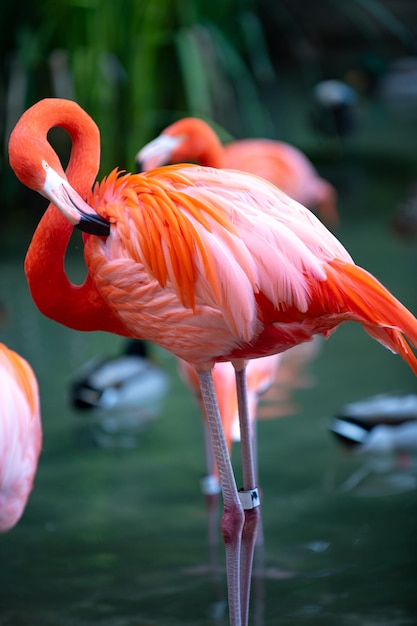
x: 381, y: 430
x: 334, y: 108
x: 130, y: 381
x: 384, y: 423
x: 212, y: 265
x: 121, y: 393
x: 283, y: 165
x: 20, y: 435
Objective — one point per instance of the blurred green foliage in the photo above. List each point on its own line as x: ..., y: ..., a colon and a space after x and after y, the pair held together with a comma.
x: 136, y: 65
x: 131, y: 63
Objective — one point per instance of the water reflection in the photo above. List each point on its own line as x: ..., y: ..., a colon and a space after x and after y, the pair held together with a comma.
x: 382, y: 476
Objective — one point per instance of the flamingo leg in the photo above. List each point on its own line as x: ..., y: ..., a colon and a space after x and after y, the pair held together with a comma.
x: 249, y: 493
x: 258, y: 592
x: 233, y: 516
x: 210, y: 488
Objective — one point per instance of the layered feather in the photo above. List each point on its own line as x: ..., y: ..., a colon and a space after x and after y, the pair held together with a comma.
x: 216, y: 237
x: 225, y: 259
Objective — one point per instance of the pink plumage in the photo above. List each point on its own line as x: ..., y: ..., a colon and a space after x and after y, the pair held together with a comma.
x: 20, y: 435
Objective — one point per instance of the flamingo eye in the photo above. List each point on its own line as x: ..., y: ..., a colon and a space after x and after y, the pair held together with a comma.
x: 45, y: 165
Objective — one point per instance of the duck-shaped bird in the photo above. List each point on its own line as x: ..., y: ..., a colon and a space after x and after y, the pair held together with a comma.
x: 122, y: 391
x: 382, y: 423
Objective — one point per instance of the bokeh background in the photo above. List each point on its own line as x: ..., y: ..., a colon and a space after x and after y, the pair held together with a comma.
x: 116, y: 535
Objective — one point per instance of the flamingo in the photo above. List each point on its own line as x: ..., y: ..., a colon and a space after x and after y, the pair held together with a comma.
x: 192, y: 139
x: 20, y: 435
x: 212, y: 265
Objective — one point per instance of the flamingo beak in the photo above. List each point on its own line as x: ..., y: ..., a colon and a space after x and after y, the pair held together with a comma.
x: 58, y: 190
x: 157, y: 152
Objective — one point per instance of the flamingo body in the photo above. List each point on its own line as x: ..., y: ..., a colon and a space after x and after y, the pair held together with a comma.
x: 200, y: 249
x: 20, y: 435
x: 191, y: 139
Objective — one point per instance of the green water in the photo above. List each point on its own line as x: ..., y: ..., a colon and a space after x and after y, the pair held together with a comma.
x: 118, y: 536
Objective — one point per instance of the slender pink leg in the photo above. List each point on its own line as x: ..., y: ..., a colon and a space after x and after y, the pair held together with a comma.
x: 260, y: 532
x: 233, y: 517
x: 210, y: 488
x: 249, y: 494
x: 258, y: 586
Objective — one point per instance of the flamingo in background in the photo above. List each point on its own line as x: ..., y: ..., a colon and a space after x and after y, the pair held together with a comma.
x: 283, y: 165
x: 212, y: 265
x: 20, y: 435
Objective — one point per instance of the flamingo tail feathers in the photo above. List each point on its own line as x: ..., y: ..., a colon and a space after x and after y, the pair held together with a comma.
x: 383, y: 317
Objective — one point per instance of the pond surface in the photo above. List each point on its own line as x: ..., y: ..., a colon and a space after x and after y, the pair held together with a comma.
x: 118, y: 536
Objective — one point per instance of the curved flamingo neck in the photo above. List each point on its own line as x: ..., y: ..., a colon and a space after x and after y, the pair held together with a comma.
x: 201, y: 144
x: 80, y: 307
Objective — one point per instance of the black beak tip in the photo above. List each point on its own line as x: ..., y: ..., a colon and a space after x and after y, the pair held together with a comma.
x: 94, y: 225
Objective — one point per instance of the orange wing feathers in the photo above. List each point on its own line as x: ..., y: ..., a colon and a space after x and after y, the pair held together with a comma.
x: 227, y: 260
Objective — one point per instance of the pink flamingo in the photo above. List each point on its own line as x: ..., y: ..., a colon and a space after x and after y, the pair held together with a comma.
x: 283, y: 165
x: 20, y: 435
x: 212, y: 265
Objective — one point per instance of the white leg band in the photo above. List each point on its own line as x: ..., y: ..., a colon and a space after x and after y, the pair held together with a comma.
x: 249, y: 499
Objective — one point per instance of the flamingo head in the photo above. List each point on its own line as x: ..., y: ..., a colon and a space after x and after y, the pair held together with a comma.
x: 188, y: 139
x: 58, y: 190
x: 158, y: 152
x: 37, y: 166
